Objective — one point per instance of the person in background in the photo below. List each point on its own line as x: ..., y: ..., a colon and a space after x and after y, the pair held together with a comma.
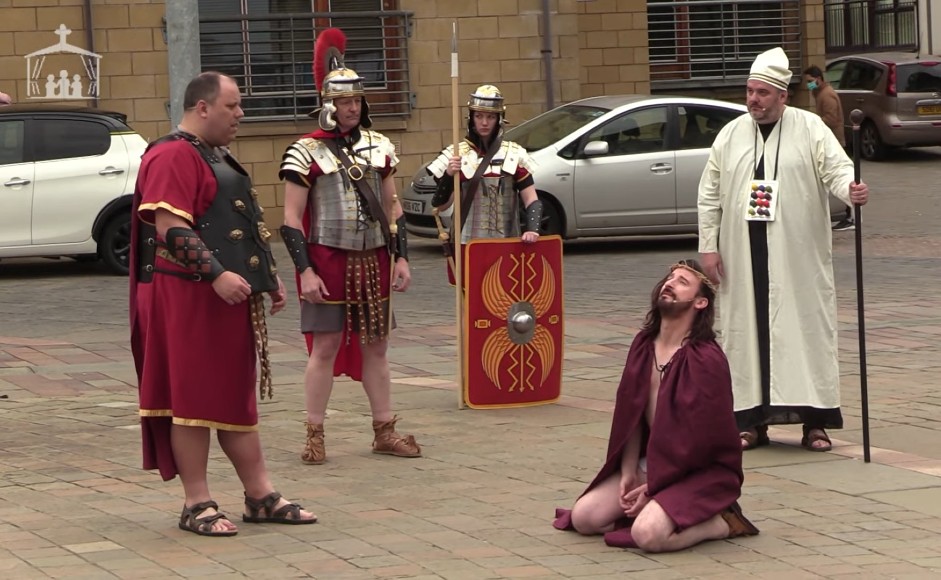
x: 831, y: 111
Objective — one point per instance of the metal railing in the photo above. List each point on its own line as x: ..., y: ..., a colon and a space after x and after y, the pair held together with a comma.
x: 712, y: 43
x: 270, y: 56
x: 870, y: 25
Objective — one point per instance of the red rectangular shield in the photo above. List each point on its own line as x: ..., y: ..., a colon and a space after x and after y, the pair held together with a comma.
x: 513, y: 329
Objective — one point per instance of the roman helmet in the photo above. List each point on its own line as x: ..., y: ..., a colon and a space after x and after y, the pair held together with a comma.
x: 334, y: 80
x: 487, y: 98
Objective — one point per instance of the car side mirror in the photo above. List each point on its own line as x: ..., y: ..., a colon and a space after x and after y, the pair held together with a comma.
x: 596, y: 148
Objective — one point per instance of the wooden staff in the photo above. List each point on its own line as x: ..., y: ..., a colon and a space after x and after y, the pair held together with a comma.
x: 456, y: 223
x: 393, y: 237
x: 856, y: 116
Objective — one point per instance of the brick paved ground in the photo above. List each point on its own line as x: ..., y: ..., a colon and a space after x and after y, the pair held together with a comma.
x: 73, y: 501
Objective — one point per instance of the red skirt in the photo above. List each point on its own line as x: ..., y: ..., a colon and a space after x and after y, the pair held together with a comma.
x: 331, y: 266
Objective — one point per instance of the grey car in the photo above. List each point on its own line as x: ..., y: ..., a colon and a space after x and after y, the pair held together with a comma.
x: 899, y: 94
x: 611, y: 166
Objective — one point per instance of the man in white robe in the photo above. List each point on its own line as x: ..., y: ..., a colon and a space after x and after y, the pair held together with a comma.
x: 764, y: 233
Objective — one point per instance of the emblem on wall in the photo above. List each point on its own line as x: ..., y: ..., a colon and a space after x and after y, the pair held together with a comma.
x: 62, y: 71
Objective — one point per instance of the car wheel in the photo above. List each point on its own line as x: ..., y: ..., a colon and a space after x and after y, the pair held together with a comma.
x: 871, y: 147
x: 114, y: 247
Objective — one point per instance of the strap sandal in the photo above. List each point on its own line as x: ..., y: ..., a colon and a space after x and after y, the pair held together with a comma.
x: 738, y: 524
x: 813, y: 435
x: 389, y: 442
x: 314, y: 451
x: 203, y: 526
x: 262, y: 511
x: 755, y: 437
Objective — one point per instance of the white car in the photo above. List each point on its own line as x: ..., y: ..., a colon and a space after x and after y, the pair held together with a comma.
x: 611, y: 166
x: 67, y: 178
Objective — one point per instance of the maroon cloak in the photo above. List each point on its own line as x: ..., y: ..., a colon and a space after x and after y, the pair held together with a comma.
x: 694, y: 455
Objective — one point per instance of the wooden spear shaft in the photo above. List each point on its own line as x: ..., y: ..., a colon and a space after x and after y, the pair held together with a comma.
x: 456, y: 224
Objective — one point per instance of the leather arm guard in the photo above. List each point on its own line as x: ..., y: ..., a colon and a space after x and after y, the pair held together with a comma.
x: 443, y: 190
x: 400, y: 240
x: 191, y: 252
x: 296, y: 244
x: 534, y: 216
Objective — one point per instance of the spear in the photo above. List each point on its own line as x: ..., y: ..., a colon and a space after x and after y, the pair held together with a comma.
x: 456, y: 225
x: 856, y: 117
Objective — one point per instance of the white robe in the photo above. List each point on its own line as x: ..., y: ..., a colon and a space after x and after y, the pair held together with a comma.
x: 802, y: 301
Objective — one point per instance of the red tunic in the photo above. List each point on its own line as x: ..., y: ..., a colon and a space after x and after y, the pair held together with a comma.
x: 694, y: 455
x: 194, y: 353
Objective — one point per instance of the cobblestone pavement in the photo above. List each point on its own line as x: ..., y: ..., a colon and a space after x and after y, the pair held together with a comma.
x: 74, y: 502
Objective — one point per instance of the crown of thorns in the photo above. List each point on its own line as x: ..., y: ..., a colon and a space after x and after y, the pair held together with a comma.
x: 702, y: 277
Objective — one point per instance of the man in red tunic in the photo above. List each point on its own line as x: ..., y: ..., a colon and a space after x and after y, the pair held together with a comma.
x: 674, y: 468
x: 200, y: 266
x: 345, y: 231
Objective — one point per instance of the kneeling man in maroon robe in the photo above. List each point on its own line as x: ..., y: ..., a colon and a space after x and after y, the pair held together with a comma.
x: 674, y: 464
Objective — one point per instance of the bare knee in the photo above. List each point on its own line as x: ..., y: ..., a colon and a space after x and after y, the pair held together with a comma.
x: 375, y: 351
x: 649, y: 538
x: 325, y: 346
x: 588, y: 521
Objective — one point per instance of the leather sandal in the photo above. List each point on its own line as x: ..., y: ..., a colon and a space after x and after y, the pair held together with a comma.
x: 814, y: 434
x: 203, y: 526
x: 314, y: 451
x: 388, y: 442
x: 262, y: 511
x: 755, y: 437
x: 738, y: 524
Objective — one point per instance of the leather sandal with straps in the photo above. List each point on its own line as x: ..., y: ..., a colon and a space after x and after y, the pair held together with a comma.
x: 813, y: 435
x: 389, y: 442
x: 262, y: 511
x: 203, y: 526
x: 755, y: 437
x: 738, y: 524
x: 314, y: 451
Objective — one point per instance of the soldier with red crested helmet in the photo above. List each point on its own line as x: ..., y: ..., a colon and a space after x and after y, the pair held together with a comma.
x: 344, y: 229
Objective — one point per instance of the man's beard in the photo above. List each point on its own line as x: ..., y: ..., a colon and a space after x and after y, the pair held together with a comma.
x: 670, y: 308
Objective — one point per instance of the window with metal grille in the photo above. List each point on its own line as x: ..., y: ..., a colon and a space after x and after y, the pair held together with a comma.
x: 867, y: 25
x: 267, y: 46
x: 713, y: 42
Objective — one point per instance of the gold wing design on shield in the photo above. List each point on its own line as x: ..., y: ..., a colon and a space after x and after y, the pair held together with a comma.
x: 545, y: 348
x: 495, y: 297
x: 543, y: 297
x: 498, y: 346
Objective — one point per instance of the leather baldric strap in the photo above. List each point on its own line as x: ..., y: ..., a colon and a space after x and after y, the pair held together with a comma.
x: 361, y: 185
x: 467, y: 197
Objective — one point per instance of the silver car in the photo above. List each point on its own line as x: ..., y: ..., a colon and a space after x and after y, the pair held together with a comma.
x: 899, y: 95
x: 611, y: 166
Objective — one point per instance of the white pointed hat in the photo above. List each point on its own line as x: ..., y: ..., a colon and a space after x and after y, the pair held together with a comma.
x: 772, y: 67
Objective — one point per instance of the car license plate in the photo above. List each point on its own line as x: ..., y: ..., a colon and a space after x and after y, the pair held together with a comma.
x: 929, y: 109
x: 413, y: 206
